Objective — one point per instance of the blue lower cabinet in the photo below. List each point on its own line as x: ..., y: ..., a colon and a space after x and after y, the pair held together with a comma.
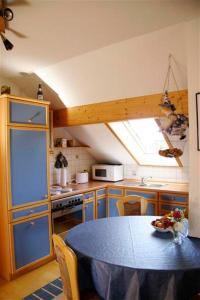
x: 112, y: 208
x: 101, y: 208
x: 88, y: 211
x: 147, y: 195
x: 151, y: 209
x: 182, y: 199
x: 31, y: 241
x: 167, y: 208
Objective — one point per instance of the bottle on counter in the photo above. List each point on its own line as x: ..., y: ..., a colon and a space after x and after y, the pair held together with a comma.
x: 40, y: 93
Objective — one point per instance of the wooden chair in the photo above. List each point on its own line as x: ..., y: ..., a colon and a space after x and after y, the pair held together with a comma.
x: 68, y: 265
x: 131, y: 206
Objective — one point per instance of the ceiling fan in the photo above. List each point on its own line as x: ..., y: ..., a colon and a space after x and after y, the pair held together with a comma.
x: 6, y: 15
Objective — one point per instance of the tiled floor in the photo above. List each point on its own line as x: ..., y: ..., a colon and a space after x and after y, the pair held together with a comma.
x: 28, y: 283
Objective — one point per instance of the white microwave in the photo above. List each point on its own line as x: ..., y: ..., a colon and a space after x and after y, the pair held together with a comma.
x: 108, y: 172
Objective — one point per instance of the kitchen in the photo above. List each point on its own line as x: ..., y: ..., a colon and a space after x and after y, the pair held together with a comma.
x: 88, y: 137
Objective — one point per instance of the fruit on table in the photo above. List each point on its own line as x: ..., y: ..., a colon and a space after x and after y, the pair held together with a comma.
x: 163, y: 222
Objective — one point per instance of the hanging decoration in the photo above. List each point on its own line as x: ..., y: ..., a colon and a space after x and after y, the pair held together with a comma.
x: 172, y: 123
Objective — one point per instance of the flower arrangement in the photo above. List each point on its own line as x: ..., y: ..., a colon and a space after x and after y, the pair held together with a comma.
x: 175, y: 222
x: 179, y: 224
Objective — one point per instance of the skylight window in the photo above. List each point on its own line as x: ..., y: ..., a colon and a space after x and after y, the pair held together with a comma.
x: 143, y: 139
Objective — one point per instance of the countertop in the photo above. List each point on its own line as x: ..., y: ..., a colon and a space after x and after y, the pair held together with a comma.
x: 128, y: 183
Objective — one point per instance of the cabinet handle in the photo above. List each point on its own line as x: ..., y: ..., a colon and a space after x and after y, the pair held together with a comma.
x: 29, y: 121
x: 98, y: 203
x: 32, y: 223
x: 46, y: 196
x: 31, y: 211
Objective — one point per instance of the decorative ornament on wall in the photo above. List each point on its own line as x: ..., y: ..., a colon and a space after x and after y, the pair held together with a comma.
x: 172, y: 123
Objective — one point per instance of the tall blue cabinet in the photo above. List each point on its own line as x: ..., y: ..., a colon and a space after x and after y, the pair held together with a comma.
x: 25, y: 220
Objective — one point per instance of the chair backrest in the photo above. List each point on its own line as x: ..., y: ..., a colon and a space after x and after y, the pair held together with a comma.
x: 132, y: 205
x: 67, y: 261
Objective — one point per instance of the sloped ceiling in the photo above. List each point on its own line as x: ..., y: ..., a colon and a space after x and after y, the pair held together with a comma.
x: 90, y: 51
x: 104, y: 146
x: 59, y: 30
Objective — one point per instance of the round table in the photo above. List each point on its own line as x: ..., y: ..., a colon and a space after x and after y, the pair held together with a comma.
x: 128, y: 259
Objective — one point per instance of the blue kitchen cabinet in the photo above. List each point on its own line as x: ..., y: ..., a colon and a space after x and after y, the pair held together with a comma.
x: 179, y: 198
x: 31, y: 241
x: 30, y: 114
x: 88, y: 211
x: 101, y: 208
x: 151, y: 208
x: 145, y: 194
x: 166, y: 208
x: 28, y: 166
x: 112, y: 208
x: 28, y: 212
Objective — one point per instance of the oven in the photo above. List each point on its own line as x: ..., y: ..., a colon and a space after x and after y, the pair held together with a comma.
x: 66, y: 213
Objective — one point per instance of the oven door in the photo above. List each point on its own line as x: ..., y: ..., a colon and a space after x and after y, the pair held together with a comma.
x: 65, y: 219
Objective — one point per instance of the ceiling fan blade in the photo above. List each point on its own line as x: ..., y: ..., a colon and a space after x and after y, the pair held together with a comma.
x: 16, y: 2
x: 17, y: 33
x: 2, y: 24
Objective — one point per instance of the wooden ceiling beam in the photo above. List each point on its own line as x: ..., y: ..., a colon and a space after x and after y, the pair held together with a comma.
x: 119, y: 110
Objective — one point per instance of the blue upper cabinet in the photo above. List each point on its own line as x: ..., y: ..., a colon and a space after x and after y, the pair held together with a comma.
x: 30, y: 114
x: 28, y: 164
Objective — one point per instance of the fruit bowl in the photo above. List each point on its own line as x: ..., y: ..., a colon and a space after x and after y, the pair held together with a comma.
x: 161, y: 229
x: 163, y: 224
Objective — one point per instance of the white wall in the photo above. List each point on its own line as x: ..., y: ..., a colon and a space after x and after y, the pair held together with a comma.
x: 15, y: 90
x: 193, y: 67
x: 130, y: 68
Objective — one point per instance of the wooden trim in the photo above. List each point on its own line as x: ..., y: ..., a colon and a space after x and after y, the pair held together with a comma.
x: 33, y: 266
x: 23, y: 99
x: 178, y: 160
x: 119, y: 110
x: 108, y: 126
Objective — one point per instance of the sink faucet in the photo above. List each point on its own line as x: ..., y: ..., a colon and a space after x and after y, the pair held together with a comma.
x: 144, y: 179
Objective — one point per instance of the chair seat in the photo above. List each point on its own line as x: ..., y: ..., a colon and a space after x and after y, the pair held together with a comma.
x: 90, y: 295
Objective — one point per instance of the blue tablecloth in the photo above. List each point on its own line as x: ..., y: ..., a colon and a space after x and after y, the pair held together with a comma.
x: 126, y: 258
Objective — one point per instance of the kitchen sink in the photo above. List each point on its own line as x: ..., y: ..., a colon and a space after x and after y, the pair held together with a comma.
x: 156, y: 185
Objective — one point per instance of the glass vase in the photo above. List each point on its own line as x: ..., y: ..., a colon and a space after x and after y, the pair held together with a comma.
x: 177, y: 237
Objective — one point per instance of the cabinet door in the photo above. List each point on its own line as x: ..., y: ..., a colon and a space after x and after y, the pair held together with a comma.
x: 178, y: 198
x: 147, y: 195
x: 23, y: 113
x: 88, y: 211
x: 31, y: 241
x: 101, y: 208
x: 165, y: 208
x: 112, y: 208
x: 152, y: 208
x: 28, y: 166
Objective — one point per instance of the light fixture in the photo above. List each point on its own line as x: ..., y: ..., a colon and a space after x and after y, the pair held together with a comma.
x: 8, y: 45
x: 8, y: 14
